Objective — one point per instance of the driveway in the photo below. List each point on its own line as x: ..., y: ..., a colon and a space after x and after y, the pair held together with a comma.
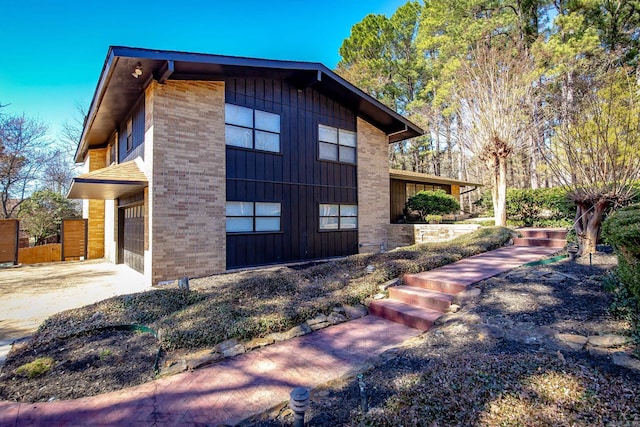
x: 31, y: 293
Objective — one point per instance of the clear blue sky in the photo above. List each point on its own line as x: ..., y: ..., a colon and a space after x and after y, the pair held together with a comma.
x: 52, y: 52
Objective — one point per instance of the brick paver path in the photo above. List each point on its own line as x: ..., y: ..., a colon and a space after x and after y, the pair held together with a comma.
x: 237, y: 388
x: 227, y: 392
x: 488, y: 264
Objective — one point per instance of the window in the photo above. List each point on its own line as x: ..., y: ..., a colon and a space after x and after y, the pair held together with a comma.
x: 129, y: 135
x: 112, y: 152
x: 338, y: 217
x: 336, y: 144
x: 249, y: 217
x: 253, y: 129
x: 412, y: 188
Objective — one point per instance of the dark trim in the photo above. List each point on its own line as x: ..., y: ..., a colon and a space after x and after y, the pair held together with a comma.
x: 255, y: 150
x: 165, y: 72
x: 469, y: 190
x: 109, y: 181
x: 116, y: 87
x: 105, y: 76
x: 300, y: 184
x: 17, y: 251
x: 252, y: 233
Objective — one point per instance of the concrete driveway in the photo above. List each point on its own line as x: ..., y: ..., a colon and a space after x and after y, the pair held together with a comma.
x: 31, y: 293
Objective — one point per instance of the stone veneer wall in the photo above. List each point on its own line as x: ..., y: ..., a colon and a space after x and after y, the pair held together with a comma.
x: 409, y: 234
x: 373, y: 187
x: 187, y: 191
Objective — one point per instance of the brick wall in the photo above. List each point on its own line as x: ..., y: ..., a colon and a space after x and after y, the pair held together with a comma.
x: 187, y: 187
x: 97, y: 159
x: 373, y: 187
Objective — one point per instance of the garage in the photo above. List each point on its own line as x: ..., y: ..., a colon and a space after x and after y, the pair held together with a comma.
x: 132, y: 236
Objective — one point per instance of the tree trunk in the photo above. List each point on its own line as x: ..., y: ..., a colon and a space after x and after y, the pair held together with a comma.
x: 500, y: 203
x: 588, y: 223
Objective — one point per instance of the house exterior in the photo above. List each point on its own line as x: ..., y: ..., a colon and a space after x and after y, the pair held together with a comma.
x: 404, y: 184
x: 195, y: 164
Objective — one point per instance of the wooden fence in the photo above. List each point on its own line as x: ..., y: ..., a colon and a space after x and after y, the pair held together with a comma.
x: 73, y: 246
x: 74, y: 234
x: 9, y: 231
x: 43, y: 253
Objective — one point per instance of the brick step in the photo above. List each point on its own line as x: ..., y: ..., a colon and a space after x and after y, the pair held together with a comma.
x: 543, y: 233
x: 405, y: 314
x: 424, y: 298
x: 549, y: 243
x: 422, y: 280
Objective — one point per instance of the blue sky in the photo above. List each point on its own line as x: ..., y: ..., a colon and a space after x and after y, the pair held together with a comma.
x: 51, y: 52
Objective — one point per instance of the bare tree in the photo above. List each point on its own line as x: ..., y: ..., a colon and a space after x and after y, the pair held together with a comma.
x: 22, y: 156
x: 494, y: 94
x: 60, y: 169
x: 595, y: 152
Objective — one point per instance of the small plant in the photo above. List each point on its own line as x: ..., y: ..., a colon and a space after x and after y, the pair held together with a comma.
x: 105, y: 354
x: 38, y: 367
x: 433, y: 219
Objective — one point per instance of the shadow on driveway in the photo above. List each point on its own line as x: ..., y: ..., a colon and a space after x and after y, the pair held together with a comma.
x: 31, y: 293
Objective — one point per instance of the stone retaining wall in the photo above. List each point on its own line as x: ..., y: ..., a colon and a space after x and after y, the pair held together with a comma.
x: 409, y: 234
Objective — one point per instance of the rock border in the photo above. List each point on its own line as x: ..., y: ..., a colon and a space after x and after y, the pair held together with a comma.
x: 233, y: 347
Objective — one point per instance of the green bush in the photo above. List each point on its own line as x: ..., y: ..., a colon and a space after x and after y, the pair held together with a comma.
x: 542, y: 207
x: 433, y: 219
x: 622, y: 231
x: 38, y: 367
x: 433, y: 203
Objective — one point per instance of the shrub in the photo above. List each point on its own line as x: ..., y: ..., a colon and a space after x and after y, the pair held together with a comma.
x: 433, y: 219
x: 38, y: 367
x: 622, y: 231
x: 433, y: 202
x: 540, y: 207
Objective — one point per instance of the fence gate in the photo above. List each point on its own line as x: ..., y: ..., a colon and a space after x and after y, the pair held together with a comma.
x: 9, y: 231
x: 74, y: 233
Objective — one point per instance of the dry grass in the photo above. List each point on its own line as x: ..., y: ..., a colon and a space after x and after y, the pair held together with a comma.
x: 507, y: 390
x: 255, y: 303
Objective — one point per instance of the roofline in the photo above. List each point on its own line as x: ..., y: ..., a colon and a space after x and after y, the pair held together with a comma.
x: 116, y: 52
x: 424, y: 177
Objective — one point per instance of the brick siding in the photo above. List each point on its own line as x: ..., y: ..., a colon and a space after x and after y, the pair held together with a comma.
x: 185, y: 149
x: 373, y: 187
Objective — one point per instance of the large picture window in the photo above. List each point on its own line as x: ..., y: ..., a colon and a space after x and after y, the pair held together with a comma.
x: 412, y: 188
x: 336, y: 144
x: 250, y: 217
x: 252, y: 129
x: 338, y: 217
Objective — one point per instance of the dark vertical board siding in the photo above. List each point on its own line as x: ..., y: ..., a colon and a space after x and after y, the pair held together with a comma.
x: 295, y: 177
x: 137, y: 131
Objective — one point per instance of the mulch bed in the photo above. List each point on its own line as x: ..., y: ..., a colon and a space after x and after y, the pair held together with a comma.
x: 490, y: 363
x: 85, y: 365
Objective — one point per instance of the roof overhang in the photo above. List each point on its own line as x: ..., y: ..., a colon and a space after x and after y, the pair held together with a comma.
x: 431, y: 179
x: 109, y: 183
x: 118, y: 89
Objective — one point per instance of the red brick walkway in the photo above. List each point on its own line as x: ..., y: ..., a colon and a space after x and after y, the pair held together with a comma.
x: 237, y: 388
x: 228, y: 392
x: 479, y: 267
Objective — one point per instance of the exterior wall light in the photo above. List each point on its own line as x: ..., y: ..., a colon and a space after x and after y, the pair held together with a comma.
x: 137, y: 72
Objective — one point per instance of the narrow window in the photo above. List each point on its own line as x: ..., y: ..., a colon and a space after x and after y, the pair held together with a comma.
x: 249, y: 217
x: 338, y: 217
x: 252, y: 129
x: 129, y: 135
x: 336, y: 144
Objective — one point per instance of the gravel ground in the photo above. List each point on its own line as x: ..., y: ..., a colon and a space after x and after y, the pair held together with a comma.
x: 478, y: 365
